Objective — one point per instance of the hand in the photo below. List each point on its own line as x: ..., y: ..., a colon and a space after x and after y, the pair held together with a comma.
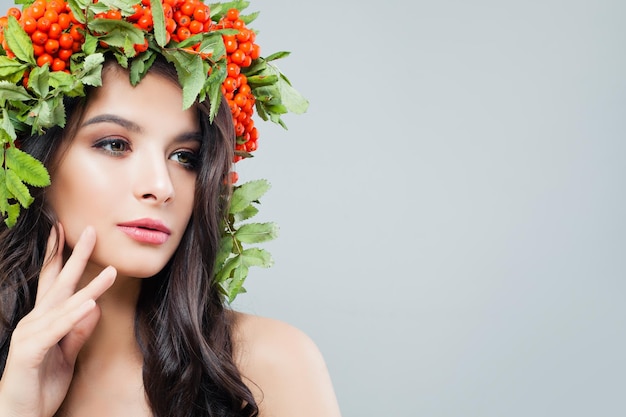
x: 46, y: 342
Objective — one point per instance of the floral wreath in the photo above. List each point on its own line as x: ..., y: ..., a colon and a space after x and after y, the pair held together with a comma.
x: 54, y: 48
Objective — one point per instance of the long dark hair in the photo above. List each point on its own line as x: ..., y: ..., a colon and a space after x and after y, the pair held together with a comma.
x: 182, y: 326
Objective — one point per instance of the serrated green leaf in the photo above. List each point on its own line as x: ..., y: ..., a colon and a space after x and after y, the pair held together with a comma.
x: 10, y: 91
x: 38, y: 81
x: 4, y: 193
x: 291, y: 98
x: 42, y: 114
x: 191, y: 75
x: 257, y: 257
x: 213, y: 86
x: 30, y: 170
x: 140, y: 65
x: 249, y: 18
x: 257, y: 232
x: 247, y: 193
x: 218, y: 10
x: 7, y: 126
x: 90, y: 44
x: 158, y: 20
x: 239, y: 275
x: 19, y: 42
x: 18, y: 189
x: 91, y: 73
x: 58, y: 111
x: 77, y: 7
x: 246, y: 213
x: 224, y: 251
x: 13, y: 213
x: 122, y: 59
x: 124, y: 6
x: 232, y: 277
x: 66, y: 83
x: 277, y: 55
x: 11, y: 69
x: 116, y: 32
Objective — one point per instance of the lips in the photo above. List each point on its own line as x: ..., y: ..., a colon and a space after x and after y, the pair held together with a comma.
x: 148, y: 231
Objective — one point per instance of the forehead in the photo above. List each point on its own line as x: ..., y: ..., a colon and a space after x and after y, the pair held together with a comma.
x: 155, y: 102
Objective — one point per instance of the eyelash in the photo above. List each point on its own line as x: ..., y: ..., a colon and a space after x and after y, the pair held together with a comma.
x: 192, y: 157
x: 106, y: 146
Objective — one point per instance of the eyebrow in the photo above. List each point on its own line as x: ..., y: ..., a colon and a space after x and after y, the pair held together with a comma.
x: 111, y: 118
x: 134, y: 127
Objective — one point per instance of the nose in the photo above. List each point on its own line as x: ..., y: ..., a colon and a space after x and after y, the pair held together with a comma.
x: 153, y: 183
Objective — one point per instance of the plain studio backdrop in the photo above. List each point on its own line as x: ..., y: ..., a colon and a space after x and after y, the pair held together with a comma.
x: 452, y: 205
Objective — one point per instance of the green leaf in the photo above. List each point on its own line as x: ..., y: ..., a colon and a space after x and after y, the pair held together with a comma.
x: 4, y: 193
x: 90, y: 44
x: 13, y: 212
x: 124, y: 6
x: 11, y: 69
x: 235, y: 271
x: 29, y: 169
x: 78, y: 7
x: 277, y: 55
x: 224, y: 251
x: 43, y: 114
x: 116, y: 32
x: 213, y: 85
x: 140, y: 65
x: 66, y: 83
x: 19, y: 42
x: 262, y: 80
x: 190, y: 72
x: 249, y: 18
x: 10, y: 91
x: 58, y: 111
x: 291, y: 98
x: 158, y: 20
x: 238, y: 277
x: 91, y: 73
x: 257, y: 232
x: 247, y: 193
x: 257, y: 257
x: 218, y: 10
x: 17, y: 188
x: 7, y: 126
x: 246, y: 213
x: 38, y: 81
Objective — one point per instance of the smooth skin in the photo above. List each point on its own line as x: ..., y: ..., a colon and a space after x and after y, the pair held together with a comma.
x: 76, y: 352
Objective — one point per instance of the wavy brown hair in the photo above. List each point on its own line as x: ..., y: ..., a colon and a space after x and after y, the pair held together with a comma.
x: 182, y: 326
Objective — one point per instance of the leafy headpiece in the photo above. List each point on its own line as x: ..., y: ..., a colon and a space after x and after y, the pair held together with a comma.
x: 52, y: 49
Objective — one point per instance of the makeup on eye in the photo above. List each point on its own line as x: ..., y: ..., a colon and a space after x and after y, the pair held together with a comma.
x: 114, y: 145
x: 187, y: 158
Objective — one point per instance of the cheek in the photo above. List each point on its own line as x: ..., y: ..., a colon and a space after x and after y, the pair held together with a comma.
x: 76, y: 197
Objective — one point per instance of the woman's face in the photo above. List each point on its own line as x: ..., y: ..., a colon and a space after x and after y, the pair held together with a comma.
x: 129, y: 172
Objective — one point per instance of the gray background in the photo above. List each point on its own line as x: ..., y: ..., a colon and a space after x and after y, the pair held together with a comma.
x: 452, y: 205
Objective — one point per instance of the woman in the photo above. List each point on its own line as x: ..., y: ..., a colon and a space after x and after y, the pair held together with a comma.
x: 107, y: 304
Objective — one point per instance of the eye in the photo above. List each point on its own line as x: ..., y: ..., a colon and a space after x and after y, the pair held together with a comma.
x: 187, y: 159
x: 113, y: 146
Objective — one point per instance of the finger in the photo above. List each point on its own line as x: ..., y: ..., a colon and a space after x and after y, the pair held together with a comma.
x: 66, y: 280
x: 53, y: 261
x: 46, y: 330
x: 73, y: 342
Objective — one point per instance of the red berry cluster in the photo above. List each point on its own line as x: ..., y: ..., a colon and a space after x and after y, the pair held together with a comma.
x: 241, y: 50
x: 54, y: 32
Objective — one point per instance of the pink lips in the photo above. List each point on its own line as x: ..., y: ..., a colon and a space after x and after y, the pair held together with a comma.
x: 148, y: 231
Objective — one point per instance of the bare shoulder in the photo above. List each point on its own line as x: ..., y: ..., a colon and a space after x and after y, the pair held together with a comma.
x: 284, y: 369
